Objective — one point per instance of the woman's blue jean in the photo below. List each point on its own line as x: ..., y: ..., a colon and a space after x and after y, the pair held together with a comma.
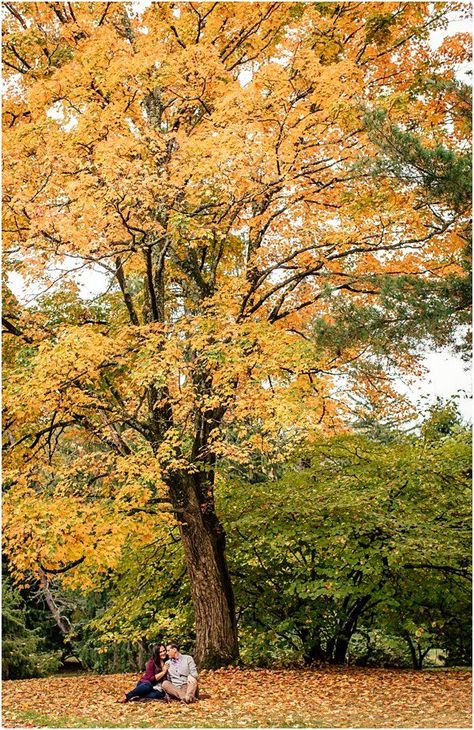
x: 145, y: 689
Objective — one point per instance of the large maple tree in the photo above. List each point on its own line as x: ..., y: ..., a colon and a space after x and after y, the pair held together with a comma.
x: 209, y: 159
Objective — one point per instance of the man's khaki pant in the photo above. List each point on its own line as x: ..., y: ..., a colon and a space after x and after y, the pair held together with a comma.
x: 186, y: 692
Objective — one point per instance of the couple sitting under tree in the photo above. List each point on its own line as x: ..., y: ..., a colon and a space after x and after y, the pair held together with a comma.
x: 168, y: 675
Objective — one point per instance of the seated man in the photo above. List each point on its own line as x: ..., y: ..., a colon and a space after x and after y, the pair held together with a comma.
x: 182, y: 681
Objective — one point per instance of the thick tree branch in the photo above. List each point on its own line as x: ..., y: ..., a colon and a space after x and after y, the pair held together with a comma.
x: 119, y: 273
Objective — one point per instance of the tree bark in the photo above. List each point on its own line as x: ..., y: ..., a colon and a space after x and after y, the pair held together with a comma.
x: 414, y: 656
x: 141, y: 655
x: 62, y: 622
x: 341, y: 641
x: 203, y: 540
x: 340, y: 650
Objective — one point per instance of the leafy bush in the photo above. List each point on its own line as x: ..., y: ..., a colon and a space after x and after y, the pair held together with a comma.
x: 260, y: 648
x: 378, y: 649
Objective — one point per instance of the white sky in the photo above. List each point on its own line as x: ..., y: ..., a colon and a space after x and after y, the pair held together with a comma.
x: 446, y: 377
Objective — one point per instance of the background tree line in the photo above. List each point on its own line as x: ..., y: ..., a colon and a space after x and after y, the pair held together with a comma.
x: 356, y: 552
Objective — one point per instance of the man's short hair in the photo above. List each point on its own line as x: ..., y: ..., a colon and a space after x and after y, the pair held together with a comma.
x: 173, y: 645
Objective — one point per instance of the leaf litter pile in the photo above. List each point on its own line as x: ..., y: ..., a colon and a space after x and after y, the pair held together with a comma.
x: 251, y: 698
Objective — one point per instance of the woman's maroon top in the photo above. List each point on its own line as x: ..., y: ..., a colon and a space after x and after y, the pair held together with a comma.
x: 150, y: 671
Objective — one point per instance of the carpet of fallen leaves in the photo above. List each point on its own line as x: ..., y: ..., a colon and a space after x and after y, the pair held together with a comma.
x: 251, y: 698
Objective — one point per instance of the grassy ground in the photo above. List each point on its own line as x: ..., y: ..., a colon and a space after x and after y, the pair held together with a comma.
x: 251, y: 698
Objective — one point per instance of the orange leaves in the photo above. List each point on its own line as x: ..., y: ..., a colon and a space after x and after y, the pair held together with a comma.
x: 253, y: 698
x: 142, y: 111
x: 65, y: 527
x: 456, y: 49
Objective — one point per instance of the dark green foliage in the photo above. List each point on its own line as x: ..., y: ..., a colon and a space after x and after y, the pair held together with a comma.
x: 413, y: 310
x: 373, y: 536
x: 442, y: 420
x: 23, y: 652
x: 372, y: 647
x: 121, y: 657
x: 146, y: 602
x: 407, y: 309
x: 442, y: 176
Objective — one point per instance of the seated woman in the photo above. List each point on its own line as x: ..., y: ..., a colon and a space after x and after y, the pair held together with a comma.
x: 148, y: 685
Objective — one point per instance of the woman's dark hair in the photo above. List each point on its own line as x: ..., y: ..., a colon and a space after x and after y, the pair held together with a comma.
x: 156, y: 654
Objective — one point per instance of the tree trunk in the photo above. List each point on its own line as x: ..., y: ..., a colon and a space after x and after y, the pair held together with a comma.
x: 342, y: 640
x: 417, y: 664
x: 314, y: 655
x: 340, y: 650
x: 330, y: 648
x: 141, y: 656
x: 203, y: 540
x: 312, y: 649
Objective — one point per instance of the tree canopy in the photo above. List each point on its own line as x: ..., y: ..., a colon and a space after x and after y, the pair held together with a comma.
x: 211, y: 160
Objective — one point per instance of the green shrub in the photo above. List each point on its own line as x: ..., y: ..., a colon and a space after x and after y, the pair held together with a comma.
x: 22, y: 655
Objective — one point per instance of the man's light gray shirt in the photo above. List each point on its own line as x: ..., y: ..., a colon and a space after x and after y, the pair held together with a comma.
x: 180, y: 668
